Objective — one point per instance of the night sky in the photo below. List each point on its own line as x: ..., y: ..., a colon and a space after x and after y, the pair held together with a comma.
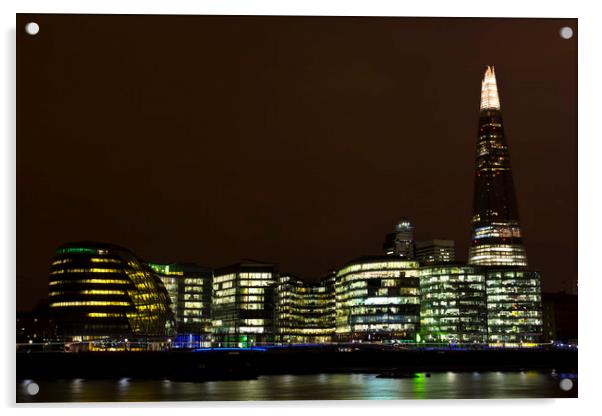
x: 294, y: 140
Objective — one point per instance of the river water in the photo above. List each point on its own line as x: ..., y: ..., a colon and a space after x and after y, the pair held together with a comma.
x: 494, y: 385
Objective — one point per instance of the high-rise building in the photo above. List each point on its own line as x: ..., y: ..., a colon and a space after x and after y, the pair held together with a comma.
x: 514, y: 314
x: 401, y: 242
x: 496, y: 235
x: 242, y: 310
x: 102, y: 291
x: 378, y: 299
x: 453, y: 304
x: 305, y: 313
x: 435, y: 251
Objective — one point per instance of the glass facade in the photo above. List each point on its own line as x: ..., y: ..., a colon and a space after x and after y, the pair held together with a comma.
x: 453, y: 306
x: 170, y: 281
x: 496, y: 235
x: 378, y: 299
x: 305, y: 313
x: 189, y: 287
x: 103, y: 291
x: 243, y: 305
x: 514, y: 311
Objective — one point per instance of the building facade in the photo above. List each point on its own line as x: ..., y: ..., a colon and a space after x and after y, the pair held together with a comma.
x: 453, y: 306
x: 377, y: 299
x: 243, y: 305
x: 190, y: 290
x: 102, y: 291
x: 435, y: 251
x: 305, y: 313
x: 401, y: 242
x: 496, y: 235
x: 514, y: 310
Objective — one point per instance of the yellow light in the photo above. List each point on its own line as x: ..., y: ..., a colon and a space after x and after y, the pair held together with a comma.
x: 88, y: 303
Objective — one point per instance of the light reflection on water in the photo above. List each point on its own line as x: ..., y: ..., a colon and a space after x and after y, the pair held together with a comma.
x: 306, y: 387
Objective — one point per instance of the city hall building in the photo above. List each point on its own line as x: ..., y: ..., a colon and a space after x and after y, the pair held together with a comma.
x: 102, y: 291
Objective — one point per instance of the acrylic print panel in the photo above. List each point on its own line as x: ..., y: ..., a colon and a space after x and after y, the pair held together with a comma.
x: 291, y: 208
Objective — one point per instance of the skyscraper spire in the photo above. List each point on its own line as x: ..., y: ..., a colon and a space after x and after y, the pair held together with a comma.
x: 496, y: 235
x: 490, y: 99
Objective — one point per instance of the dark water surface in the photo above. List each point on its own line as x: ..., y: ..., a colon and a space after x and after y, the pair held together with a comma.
x: 494, y: 385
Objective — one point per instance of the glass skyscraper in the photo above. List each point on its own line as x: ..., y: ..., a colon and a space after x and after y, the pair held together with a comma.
x: 513, y: 292
x: 496, y: 235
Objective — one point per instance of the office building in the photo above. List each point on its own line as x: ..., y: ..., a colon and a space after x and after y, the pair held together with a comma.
x: 243, y: 304
x: 514, y: 311
x: 453, y: 304
x: 435, y: 251
x: 377, y: 299
x: 190, y: 289
x: 305, y: 313
x: 401, y: 242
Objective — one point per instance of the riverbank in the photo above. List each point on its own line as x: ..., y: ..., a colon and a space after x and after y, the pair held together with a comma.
x: 241, y: 363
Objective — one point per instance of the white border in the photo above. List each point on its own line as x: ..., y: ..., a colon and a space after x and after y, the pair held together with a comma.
x: 590, y: 136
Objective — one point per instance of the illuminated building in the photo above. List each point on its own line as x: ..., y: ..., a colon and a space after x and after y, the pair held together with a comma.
x: 377, y: 299
x: 401, y: 242
x: 496, y: 235
x: 170, y: 280
x: 514, y: 312
x: 305, y: 313
x: 435, y: 251
x: 453, y: 306
x: 243, y: 304
x: 101, y: 290
x: 189, y: 287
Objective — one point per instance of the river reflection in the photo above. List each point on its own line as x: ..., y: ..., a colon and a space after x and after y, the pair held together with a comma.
x: 494, y: 385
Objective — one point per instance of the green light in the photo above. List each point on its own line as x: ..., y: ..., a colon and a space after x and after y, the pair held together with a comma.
x: 71, y: 250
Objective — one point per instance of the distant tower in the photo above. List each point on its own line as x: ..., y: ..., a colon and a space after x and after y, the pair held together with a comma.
x: 496, y: 235
x: 401, y: 242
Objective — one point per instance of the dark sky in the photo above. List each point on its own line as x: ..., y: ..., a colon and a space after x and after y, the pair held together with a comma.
x: 296, y: 140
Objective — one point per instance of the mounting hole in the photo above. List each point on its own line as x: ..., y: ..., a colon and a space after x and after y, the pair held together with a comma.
x: 32, y: 388
x: 32, y: 28
x: 566, y: 32
x: 566, y: 384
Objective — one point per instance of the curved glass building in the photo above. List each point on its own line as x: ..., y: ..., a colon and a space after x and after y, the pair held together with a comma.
x: 101, y: 290
x: 377, y: 299
x: 453, y: 305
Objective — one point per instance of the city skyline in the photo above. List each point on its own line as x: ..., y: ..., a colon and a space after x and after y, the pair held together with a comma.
x: 340, y: 231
